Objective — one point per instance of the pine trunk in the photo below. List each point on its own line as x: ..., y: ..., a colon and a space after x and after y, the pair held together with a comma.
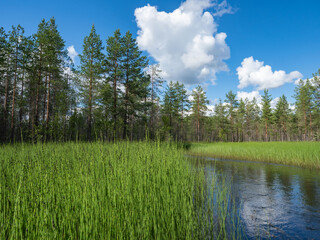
x: 14, y: 95
x: 48, y: 105
x: 90, y: 104
x: 115, y: 101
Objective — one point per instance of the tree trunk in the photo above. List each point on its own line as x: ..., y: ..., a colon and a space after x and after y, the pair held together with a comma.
x: 14, y: 94
x: 21, y: 107
x: 5, y: 108
x: 48, y: 105
x: 198, y: 118
x: 305, y: 125
x: 115, y: 102
x: 310, y: 124
x: 90, y: 104
x: 266, y: 127
x: 152, y: 105
x: 45, y: 99
x: 126, y: 102
x: 36, y: 122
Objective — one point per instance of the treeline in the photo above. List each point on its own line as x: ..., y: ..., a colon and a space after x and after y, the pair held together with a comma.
x: 248, y: 120
x: 115, y: 94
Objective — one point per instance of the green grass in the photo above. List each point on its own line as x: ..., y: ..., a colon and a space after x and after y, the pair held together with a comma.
x: 108, y: 191
x: 303, y: 154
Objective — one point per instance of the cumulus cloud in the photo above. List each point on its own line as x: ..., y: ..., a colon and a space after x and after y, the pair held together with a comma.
x: 255, y: 94
x: 72, y: 52
x: 210, y: 110
x: 249, y: 95
x: 185, y: 42
x: 255, y: 73
x: 274, y: 102
x: 305, y: 81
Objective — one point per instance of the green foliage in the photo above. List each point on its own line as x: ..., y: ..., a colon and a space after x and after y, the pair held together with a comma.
x: 115, y: 95
x: 91, y: 72
x: 107, y: 191
x: 303, y: 154
x: 198, y: 107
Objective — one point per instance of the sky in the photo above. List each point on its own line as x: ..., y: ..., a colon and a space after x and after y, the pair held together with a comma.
x: 239, y: 45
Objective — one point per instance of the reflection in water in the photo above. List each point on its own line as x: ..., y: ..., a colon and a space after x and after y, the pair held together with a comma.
x: 274, y: 200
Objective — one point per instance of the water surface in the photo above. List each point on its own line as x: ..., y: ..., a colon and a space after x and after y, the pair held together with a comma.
x: 274, y: 201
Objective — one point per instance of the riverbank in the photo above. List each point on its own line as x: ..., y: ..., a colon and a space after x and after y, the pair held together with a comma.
x: 302, y: 154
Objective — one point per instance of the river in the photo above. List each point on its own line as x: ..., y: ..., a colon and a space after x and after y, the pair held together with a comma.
x: 273, y: 201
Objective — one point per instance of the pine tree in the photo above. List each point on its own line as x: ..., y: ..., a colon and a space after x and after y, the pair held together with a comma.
x: 304, y: 103
x: 56, y: 83
x: 135, y: 81
x: 91, y: 61
x: 241, y: 120
x: 115, y: 54
x: 15, y: 38
x: 221, y: 120
x: 154, y: 74
x: 183, y: 106
x: 170, y: 109
x: 4, y: 82
x: 316, y: 86
x: 232, y: 106
x: 282, y: 112
x: 266, y: 111
x: 40, y: 44
x: 199, y: 107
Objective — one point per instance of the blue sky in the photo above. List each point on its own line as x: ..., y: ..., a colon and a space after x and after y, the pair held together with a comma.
x: 283, y: 34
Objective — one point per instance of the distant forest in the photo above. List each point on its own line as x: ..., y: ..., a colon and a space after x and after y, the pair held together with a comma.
x: 115, y: 94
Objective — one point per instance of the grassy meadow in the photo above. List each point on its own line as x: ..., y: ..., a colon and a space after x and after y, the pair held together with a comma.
x: 109, y: 191
x: 302, y: 154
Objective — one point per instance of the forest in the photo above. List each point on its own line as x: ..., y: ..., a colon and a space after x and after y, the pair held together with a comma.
x: 116, y: 94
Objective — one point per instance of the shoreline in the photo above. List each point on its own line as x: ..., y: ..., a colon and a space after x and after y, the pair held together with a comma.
x: 299, y: 154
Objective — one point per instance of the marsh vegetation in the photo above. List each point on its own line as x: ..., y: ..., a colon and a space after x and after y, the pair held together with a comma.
x: 303, y: 154
x: 109, y: 191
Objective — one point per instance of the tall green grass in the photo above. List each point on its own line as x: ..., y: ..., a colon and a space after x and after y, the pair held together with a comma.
x: 108, y: 191
x: 303, y: 154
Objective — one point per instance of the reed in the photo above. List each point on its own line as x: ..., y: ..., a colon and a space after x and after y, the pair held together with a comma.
x: 123, y: 190
x: 302, y: 154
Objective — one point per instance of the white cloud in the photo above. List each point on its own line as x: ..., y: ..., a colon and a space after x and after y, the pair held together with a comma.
x: 210, y: 110
x: 185, y: 42
x: 223, y: 8
x: 292, y: 107
x: 304, y: 81
x: 72, y: 52
x: 274, y: 102
x: 255, y: 73
x: 257, y: 96
x: 249, y: 95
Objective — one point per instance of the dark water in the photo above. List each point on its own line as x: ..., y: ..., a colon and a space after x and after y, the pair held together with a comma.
x: 274, y: 201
